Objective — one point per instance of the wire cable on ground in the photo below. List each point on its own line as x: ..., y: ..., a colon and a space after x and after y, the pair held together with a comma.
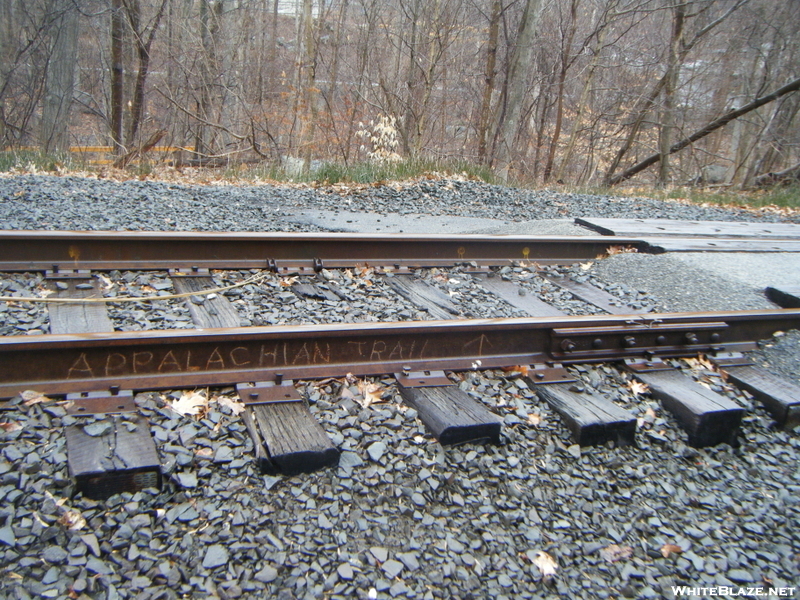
x: 254, y: 279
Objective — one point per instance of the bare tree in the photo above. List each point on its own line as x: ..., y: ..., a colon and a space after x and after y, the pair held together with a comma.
x: 60, y: 79
x: 143, y: 39
x: 508, y: 122
x: 701, y: 133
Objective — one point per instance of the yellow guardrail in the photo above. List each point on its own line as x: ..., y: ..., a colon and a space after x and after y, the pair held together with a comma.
x: 107, y: 150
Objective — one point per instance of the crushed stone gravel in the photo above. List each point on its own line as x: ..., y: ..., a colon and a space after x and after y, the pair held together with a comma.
x: 49, y: 202
x: 401, y: 517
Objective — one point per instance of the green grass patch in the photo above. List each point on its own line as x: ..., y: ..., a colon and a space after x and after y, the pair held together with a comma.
x: 369, y: 172
x: 35, y: 160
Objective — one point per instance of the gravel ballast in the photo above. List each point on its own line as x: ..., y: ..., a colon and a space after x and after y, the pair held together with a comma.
x: 47, y: 202
x: 401, y: 517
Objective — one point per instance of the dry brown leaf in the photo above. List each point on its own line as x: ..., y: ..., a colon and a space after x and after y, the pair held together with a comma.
x: 371, y: 393
x: 190, y: 404
x: 10, y: 427
x: 521, y: 369
x: 613, y: 250
x: 236, y: 406
x: 668, y: 549
x: 547, y: 564
x: 31, y: 397
x: 107, y: 283
x: 701, y: 362
x: 72, y: 520
x: 586, y: 266
x: 534, y: 419
x: 288, y: 281
x: 204, y: 452
x: 613, y: 553
x: 637, y: 387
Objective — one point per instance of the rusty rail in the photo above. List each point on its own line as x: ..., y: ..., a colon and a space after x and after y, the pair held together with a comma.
x: 60, y: 364
x: 69, y: 250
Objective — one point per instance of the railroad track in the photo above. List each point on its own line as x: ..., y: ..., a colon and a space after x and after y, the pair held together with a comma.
x: 98, y: 370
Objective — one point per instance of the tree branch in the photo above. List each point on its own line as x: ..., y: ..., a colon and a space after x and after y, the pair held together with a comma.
x: 701, y: 133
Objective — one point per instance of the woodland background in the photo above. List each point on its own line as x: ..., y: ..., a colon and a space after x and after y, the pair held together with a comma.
x: 573, y: 91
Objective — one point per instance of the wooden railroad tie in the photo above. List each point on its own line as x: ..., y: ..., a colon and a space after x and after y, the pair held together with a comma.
x: 785, y: 296
x: 423, y: 295
x: 449, y: 413
x: 211, y: 310
x: 510, y: 292
x: 76, y: 318
x: 113, y: 455
x: 593, y: 295
x: 113, y: 452
x: 779, y: 396
x: 288, y: 439
x: 708, y: 417
x: 592, y: 419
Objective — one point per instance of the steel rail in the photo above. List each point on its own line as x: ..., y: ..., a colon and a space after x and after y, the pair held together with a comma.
x: 60, y: 364
x: 80, y: 250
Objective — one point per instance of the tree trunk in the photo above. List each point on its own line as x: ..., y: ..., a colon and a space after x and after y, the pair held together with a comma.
x: 713, y: 126
x: 60, y: 80
x: 668, y: 108
x: 209, y: 70
x: 517, y: 82
x: 117, y: 74
x: 647, y: 104
x: 587, y: 86
x: 143, y: 40
x: 489, y: 77
x: 562, y: 78
x: 307, y: 79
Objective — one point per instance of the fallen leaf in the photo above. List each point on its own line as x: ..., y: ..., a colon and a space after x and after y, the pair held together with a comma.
x: 534, y: 419
x: 546, y: 564
x: 107, y: 283
x: 190, y: 404
x: 204, y: 452
x: 31, y: 397
x: 370, y: 392
x: 9, y: 427
x: 613, y: 250
x: 613, y: 553
x: 236, y: 406
x: 586, y: 266
x: 637, y: 387
x: 701, y: 362
x: 72, y: 520
x: 288, y: 281
x: 521, y: 369
x: 668, y: 549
